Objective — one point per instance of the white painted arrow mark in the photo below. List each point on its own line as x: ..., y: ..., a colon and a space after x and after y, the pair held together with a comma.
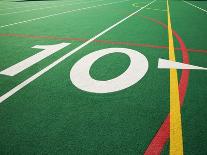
x: 168, y: 64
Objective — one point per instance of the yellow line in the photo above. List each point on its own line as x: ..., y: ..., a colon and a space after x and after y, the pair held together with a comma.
x: 176, y: 140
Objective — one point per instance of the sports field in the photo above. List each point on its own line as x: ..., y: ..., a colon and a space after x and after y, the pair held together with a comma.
x: 103, y: 77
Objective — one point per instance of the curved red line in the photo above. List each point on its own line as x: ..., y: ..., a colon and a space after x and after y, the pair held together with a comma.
x: 163, y: 134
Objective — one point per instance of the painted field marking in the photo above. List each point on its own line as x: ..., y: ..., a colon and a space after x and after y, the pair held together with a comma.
x: 176, y: 140
x: 24, y: 64
x: 137, y: 6
x: 81, y: 78
x: 168, y: 64
x: 28, y: 6
x: 98, y: 41
x: 41, y: 72
x: 163, y: 133
x: 56, y: 14
x: 195, y: 6
x: 55, y: 6
x: 155, y: 9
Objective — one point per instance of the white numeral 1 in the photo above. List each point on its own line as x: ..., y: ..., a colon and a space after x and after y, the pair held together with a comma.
x: 48, y: 50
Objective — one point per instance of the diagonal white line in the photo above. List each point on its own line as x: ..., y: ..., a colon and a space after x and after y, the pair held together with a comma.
x: 54, y: 6
x: 41, y: 72
x: 57, y: 14
x: 196, y: 6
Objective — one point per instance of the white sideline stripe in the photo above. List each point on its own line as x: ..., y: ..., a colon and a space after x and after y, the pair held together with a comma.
x: 41, y: 72
x: 56, y: 14
x: 55, y: 6
x: 196, y: 6
x: 27, y: 6
x: 168, y: 64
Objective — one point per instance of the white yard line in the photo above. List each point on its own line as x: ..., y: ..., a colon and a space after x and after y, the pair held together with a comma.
x: 41, y: 72
x: 56, y: 14
x: 54, y: 6
x: 30, y: 5
x: 196, y: 6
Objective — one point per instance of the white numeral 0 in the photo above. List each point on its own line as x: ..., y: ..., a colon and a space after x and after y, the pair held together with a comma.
x: 81, y: 78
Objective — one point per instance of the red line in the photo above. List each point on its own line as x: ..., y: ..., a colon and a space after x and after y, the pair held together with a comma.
x: 196, y: 50
x: 98, y: 41
x: 162, y: 135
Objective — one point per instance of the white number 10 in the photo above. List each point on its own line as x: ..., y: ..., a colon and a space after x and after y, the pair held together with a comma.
x: 79, y: 73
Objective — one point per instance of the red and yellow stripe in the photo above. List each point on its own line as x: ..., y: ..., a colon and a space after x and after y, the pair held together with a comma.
x: 176, y: 140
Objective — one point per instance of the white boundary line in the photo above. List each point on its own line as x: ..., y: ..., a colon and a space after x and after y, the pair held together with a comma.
x: 196, y: 6
x: 56, y: 14
x: 41, y: 72
x: 54, y: 6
